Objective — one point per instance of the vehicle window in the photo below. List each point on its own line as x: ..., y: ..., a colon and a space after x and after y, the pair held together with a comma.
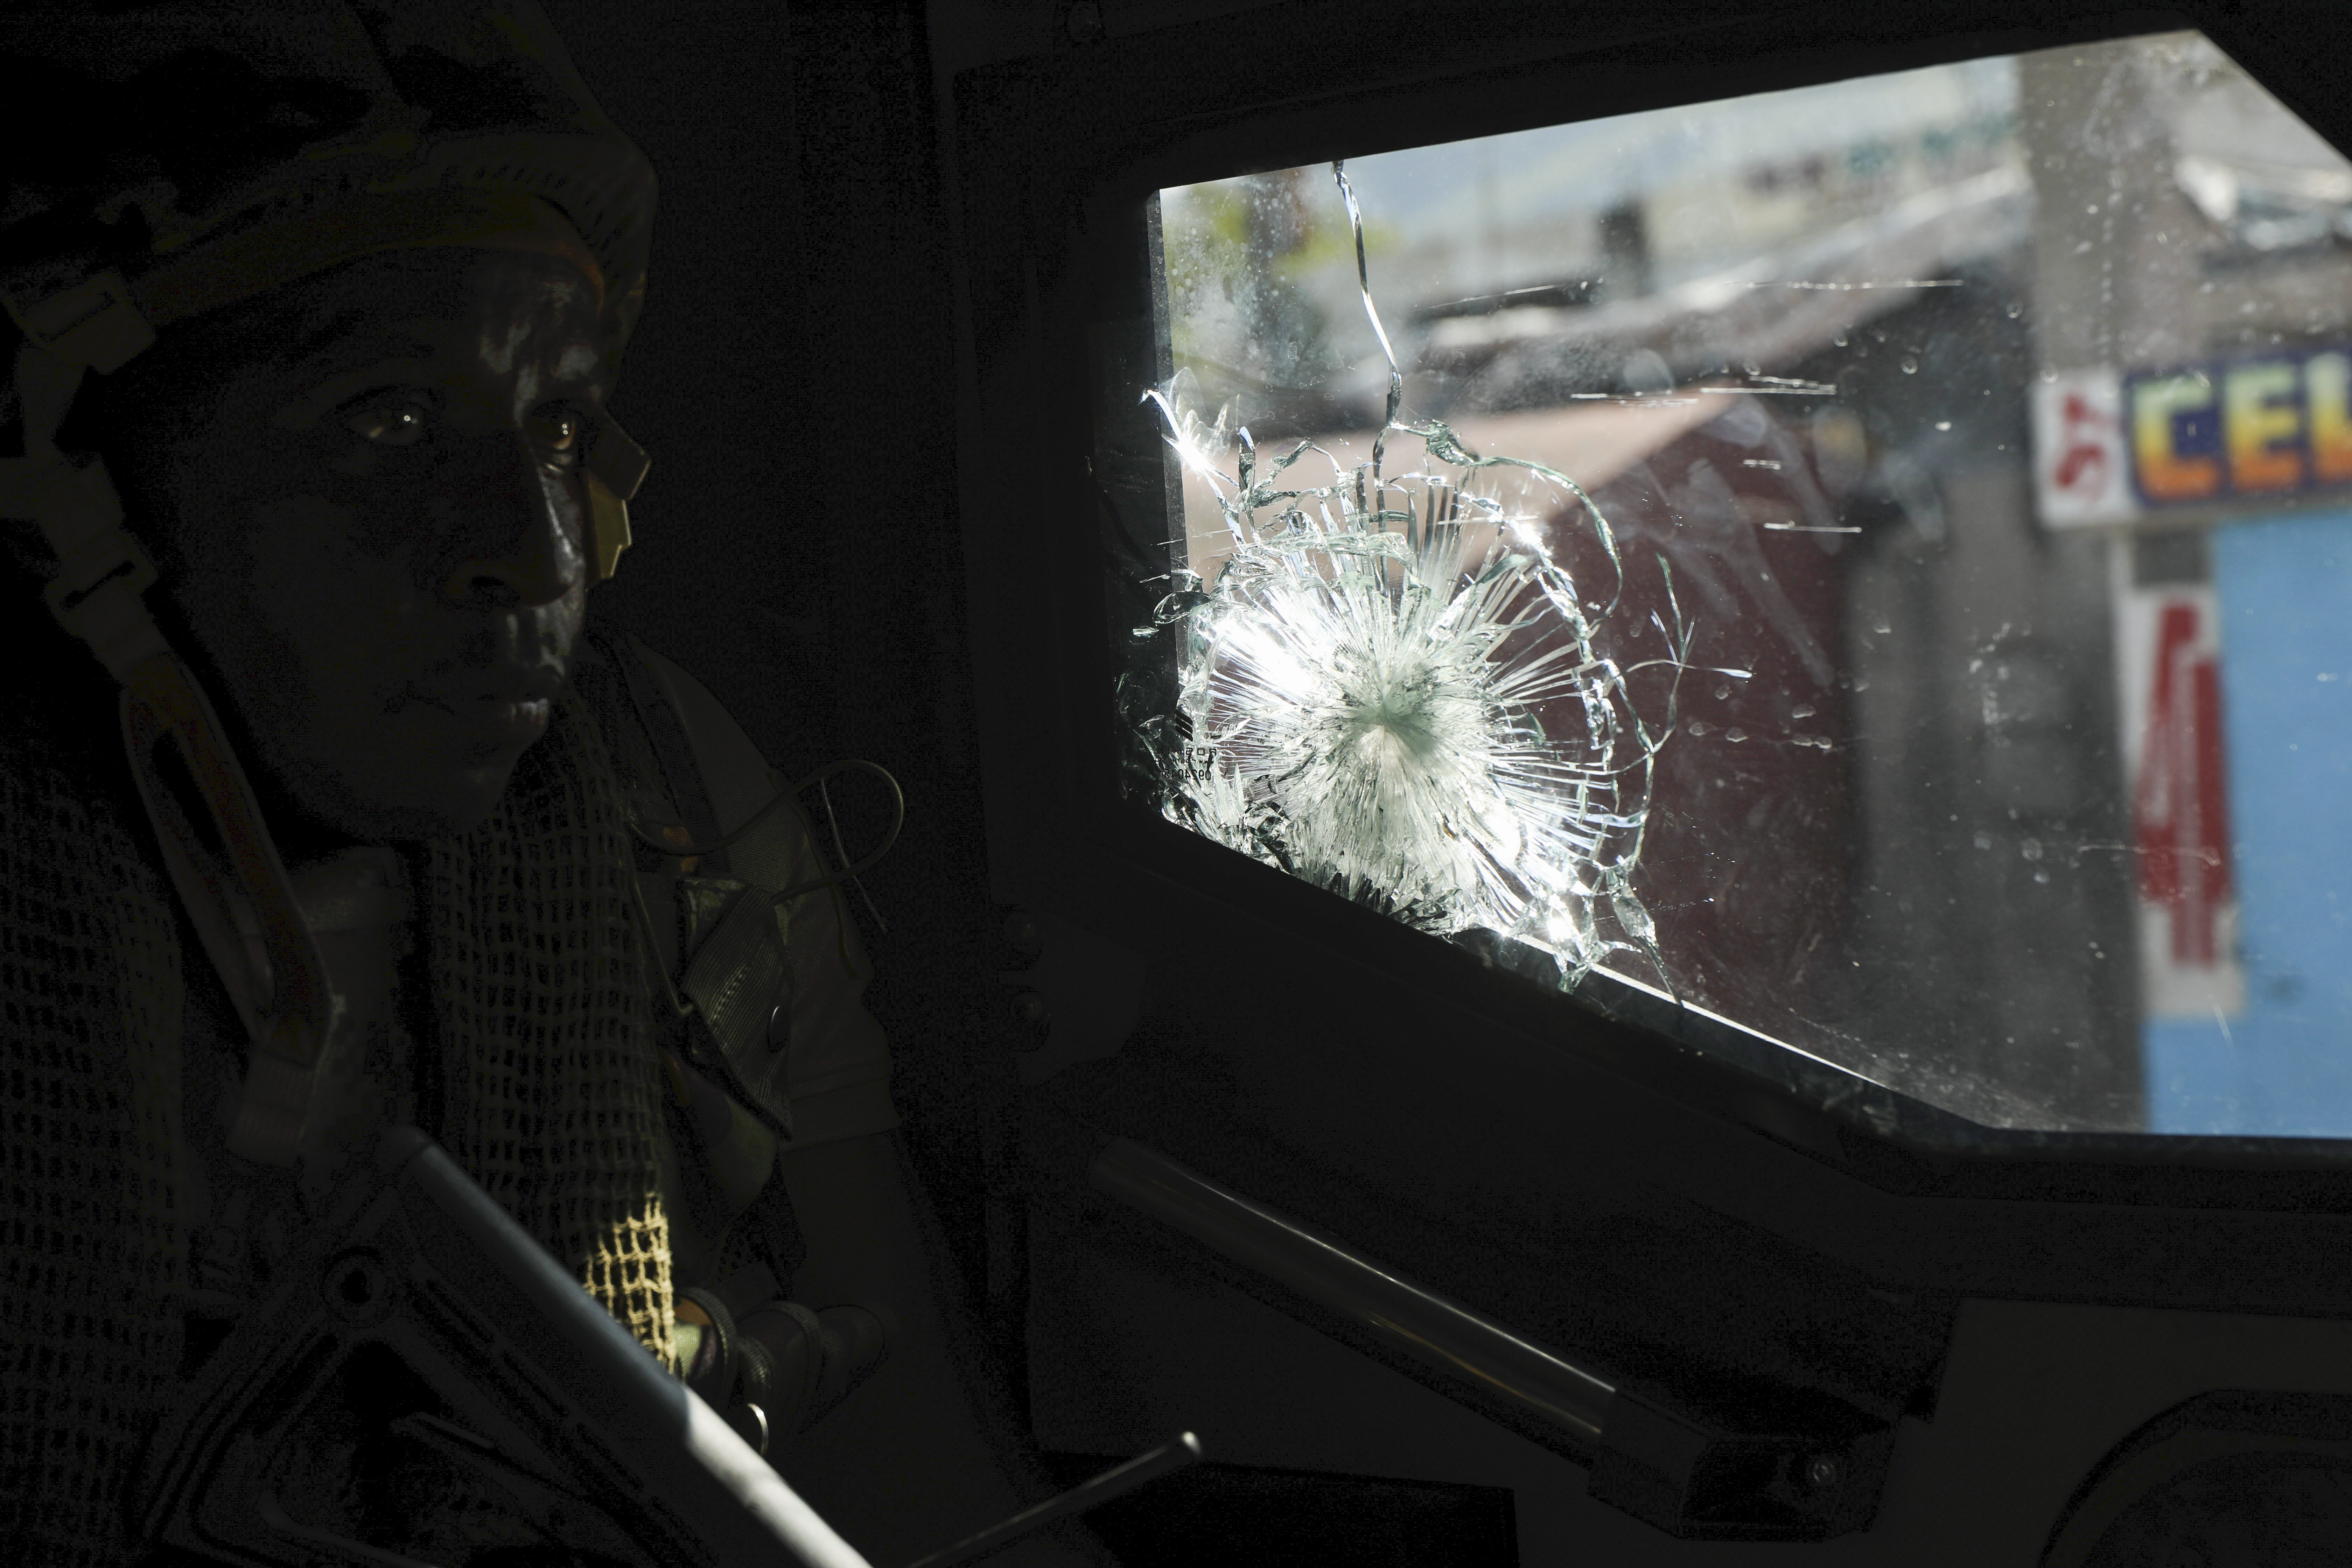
x: 1870, y: 563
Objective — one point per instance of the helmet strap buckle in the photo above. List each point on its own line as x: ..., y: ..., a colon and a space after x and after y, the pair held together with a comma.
x: 94, y: 322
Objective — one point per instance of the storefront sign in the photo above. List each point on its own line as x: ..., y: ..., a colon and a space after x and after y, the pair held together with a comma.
x: 2205, y: 440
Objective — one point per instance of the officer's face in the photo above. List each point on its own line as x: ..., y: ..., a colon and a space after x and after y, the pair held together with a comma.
x: 380, y: 533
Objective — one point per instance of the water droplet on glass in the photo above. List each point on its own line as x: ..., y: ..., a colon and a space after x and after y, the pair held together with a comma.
x: 1735, y: 733
x: 1721, y: 692
x: 2015, y: 311
x: 1700, y: 727
x: 2031, y: 849
x: 1910, y: 365
x: 1803, y: 710
x: 1984, y: 840
x: 1943, y: 424
x: 1840, y: 339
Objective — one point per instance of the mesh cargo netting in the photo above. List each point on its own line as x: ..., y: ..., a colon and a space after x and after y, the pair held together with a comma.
x: 91, y: 1248
x: 552, y: 1087
x: 550, y: 1098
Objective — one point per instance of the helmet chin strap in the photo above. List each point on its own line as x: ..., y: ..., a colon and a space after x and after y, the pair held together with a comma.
x: 216, y: 846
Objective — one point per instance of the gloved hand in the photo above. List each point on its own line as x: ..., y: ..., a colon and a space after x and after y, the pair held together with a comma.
x: 782, y: 1365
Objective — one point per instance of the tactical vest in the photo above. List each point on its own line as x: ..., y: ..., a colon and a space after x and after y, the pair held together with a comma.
x: 721, y: 988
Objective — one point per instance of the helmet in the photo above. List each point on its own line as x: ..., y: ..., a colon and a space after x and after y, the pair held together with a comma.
x: 195, y: 156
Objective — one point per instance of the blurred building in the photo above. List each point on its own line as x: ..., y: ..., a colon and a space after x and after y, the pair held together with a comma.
x: 2189, y: 426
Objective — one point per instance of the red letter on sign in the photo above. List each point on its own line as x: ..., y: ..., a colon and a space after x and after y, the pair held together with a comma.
x: 2181, y: 818
x: 2085, y: 465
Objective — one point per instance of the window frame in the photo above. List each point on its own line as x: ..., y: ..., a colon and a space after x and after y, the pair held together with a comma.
x: 1053, y: 159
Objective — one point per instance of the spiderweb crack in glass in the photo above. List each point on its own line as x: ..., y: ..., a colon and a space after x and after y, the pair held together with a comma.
x: 1363, y: 690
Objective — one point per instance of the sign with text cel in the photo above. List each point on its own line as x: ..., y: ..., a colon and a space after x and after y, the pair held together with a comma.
x: 2208, y: 440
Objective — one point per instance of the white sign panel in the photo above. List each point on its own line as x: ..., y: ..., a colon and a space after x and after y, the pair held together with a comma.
x: 2082, y: 473
x: 2168, y: 642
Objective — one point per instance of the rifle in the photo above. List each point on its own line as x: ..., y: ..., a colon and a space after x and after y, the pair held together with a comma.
x: 470, y: 1339
x: 463, y: 1334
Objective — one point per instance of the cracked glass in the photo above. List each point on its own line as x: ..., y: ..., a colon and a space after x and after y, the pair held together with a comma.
x: 1868, y: 567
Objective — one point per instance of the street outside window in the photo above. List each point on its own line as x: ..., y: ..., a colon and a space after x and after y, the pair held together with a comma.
x: 1871, y: 564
